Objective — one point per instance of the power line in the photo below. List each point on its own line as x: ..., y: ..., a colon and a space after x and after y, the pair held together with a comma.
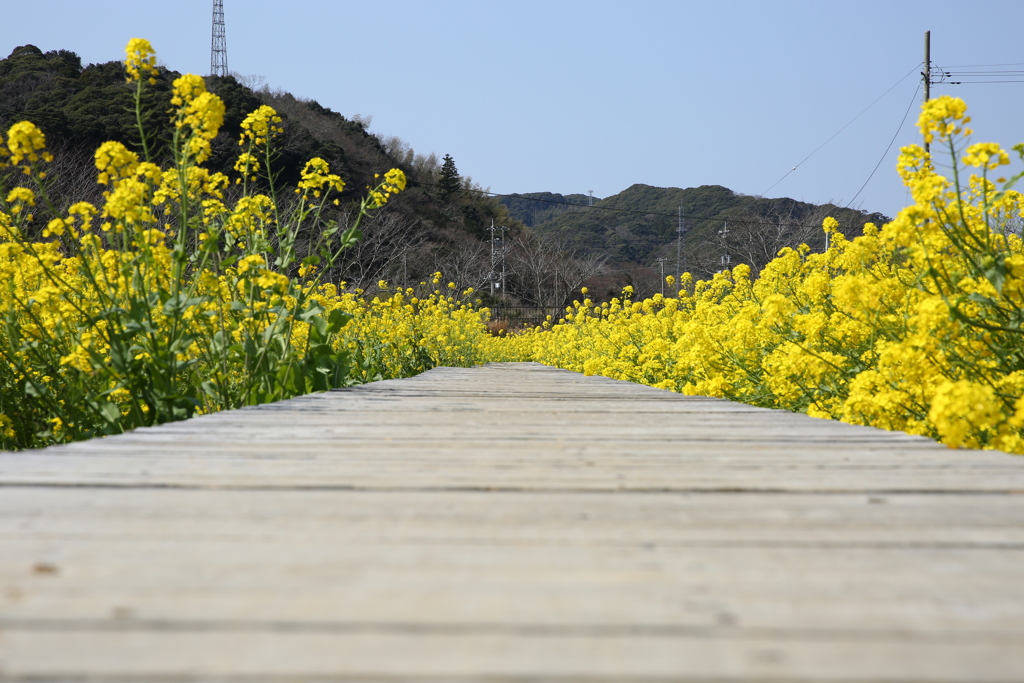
x: 980, y: 82
x: 840, y: 130
x: 983, y: 73
x: 716, y: 216
x: 1002, y: 76
x: 886, y: 152
x: 981, y: 66
x: 634, y: 269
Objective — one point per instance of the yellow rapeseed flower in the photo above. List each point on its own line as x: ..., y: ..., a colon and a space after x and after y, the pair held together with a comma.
x: 114, y: 161
x: 198, y: 111
x: 25, y: 142
x: 140, y: 60
x: 260, y: 126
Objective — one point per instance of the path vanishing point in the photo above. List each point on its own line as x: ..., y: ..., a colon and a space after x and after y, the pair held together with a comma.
x: 511, y: 522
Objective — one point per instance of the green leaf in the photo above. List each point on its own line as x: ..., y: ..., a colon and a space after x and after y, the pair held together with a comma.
x: 178, y: 304
x: 209, y: 388
x: 318, y: 330
x: 314, y: 309
x: 350, y: 237
x: 336, y: 320
x: 110, y: 412
x: 995, y: 272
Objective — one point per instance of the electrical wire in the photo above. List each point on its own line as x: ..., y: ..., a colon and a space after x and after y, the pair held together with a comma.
x: 947, y: 74
x: 842, y: 129
x: 982, y: 73
x: 982, y: 66
x: 916, y: 66
x: 716, y: 216
x: 886, y: 152
x: 1001, y: 76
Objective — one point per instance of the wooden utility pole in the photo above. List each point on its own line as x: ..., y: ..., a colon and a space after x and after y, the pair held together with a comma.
x: 927, y: 74
x: 495, y: 255
x: 680, y: 228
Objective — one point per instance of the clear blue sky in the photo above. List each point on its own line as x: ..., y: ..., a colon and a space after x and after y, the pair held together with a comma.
x: 570, y: 96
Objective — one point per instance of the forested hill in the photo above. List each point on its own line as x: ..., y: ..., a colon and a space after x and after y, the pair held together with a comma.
x: 441, y: 222
x: 79, y: 107
x: 86, y: 106
x: 535, y: 208
x: 640, y: 223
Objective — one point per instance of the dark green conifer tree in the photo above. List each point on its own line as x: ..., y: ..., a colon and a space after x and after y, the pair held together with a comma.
x: 449, y: 183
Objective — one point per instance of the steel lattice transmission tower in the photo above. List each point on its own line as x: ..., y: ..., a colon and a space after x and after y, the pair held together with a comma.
x: 219, y: 48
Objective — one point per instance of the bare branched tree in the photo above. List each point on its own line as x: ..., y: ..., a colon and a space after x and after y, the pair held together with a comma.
x: 548, y: 269
x: 424, y: 167
x: 71, y: 178
x: 73, y: 172
x: 462, y: 259
x: 388, y: 243
x: 251, y: 81
x: 757, y: 237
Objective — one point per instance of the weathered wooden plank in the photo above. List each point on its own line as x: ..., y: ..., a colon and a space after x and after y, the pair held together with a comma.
x: 416, y: 656
x: 512, y: 522
x: 581, y: 469
x: 832, y: 520
x: 521, y: 558
x: 277, y: 656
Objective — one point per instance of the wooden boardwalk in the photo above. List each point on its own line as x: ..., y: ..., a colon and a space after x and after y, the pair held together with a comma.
x: 510, y: 523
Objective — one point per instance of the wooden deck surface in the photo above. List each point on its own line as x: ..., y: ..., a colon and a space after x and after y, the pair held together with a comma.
x: 510, y: 523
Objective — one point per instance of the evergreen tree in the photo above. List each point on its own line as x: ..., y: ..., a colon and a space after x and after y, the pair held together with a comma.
x: 449, y: 183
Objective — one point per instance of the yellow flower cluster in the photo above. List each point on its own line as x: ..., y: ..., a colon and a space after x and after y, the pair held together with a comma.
x: 115, y: 162
x: 317, y: 174
x: 394, y: 182
x: 944, y: 116
x: 26, y: 145
x: 260, y: 126
x: 6, y: 427
x: 140, y: 60
x: 199, y: 112
x: 399, y: 334
x: 248, y: 167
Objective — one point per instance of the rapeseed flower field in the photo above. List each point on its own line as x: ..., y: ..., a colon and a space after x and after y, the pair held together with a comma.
x: 187, y: 292
x: 176, y: 297
x: 916, y: 325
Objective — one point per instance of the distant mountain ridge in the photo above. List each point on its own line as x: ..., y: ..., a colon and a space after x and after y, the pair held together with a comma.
x: 639, y: 224
x: 535, y: 208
